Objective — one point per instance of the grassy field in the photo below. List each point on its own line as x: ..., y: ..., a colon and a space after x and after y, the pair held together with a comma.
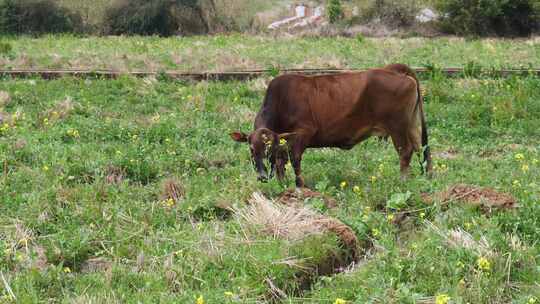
x: 241, y: 52
x: 87, y: 213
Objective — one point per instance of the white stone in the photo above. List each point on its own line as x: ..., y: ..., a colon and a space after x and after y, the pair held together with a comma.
x: 427, y: 15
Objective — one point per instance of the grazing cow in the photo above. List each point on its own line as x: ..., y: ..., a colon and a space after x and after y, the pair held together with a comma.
x: 340, y: 110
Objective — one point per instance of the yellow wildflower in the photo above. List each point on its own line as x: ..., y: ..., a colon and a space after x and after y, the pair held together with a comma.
x: 228, y: 294
x: 67, y: 270
x: 422, y: 214
x: 169, y: 203
x: 519, y: 156
x: 282, y: 142
x: 357, y: 190
x: 373, y: 179
x: 390, y: 217
x: 442, y: 299
x: 200, y: 300
x: 45, y: 168
x: 375, y: 232
x: 468, y: 225
x: 340, y: 301
x: 288, y: 166
x: 483, y: 264
x: 73, y: 133
x: 343, y: 185
x: 525, y: 168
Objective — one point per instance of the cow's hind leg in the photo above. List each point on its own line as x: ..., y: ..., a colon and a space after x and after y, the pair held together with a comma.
x: 404, y: 149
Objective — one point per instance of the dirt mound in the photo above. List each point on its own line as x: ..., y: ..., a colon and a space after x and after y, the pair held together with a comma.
x: 474, y: 195
x: 297, y: 197
x: 346, y: 235
x: 287, y: 218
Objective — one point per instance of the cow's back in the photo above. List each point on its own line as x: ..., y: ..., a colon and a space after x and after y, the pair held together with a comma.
x: 339, y: 109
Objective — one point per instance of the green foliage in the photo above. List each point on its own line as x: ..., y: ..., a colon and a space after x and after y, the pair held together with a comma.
x: 37, y: 17
x: 334, y: 11
x: 82, y: 222
x: 395, y: 13
x: 160, y: 17
x: 5, y: 47
x: 233, y: 52
x: 498, y: 17
x: 398, y: 200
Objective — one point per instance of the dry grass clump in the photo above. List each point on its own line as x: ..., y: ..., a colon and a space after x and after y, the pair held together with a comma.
x: 60, y: 111
x: 172, y: 189
x: 20, y: 246
x: 114, y: 175
x: 293, y: 222
x: 296, y: 197
x: 283, y: 222
x: 459, y: 238
x: 5, y: 99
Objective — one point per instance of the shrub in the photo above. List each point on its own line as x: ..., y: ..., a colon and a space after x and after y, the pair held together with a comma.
x: 335, y: 11
x: 394, y: 13
x: 494, y: 17
x: 158, y: 17
x: 37, y: 17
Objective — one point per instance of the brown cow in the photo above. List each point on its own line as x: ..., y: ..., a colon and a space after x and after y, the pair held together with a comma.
x: 341, y: 110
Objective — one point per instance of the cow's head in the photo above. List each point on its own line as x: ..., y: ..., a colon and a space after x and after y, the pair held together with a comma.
x: 265, y: 144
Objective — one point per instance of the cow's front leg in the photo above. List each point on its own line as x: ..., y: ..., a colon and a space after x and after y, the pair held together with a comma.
x: 296, y: 159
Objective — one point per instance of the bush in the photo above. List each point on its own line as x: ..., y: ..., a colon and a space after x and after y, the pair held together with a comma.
x: 335, y: 11
x: 37, y: 17
x: 494, y: 17
x: 395, y: 13
x: 158, y: 17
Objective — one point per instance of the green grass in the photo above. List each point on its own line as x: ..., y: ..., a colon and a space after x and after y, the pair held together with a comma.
x: 241, y: 52
x: 57, y: 155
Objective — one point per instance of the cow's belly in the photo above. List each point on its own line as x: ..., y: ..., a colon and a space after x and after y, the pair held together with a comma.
x: 347, y: 139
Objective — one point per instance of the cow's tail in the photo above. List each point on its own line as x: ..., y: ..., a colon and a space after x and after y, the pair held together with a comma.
x: 425, y: 144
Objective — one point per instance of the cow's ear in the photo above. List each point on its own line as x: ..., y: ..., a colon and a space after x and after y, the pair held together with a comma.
x: 239, y: 136
x: 287, y: 139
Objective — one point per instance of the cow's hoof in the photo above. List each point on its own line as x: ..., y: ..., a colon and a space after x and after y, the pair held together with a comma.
x: 300, y: 182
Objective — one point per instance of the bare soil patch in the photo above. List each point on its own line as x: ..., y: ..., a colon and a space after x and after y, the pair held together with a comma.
x: 486, y: 198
